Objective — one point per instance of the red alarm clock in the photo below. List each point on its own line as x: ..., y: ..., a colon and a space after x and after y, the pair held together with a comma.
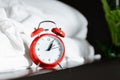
x: 47, y: 49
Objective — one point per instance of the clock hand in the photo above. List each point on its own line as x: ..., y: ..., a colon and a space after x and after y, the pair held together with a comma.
x: 50, y: 46
x: 54, y: 47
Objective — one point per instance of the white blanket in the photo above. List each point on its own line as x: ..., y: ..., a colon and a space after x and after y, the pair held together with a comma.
x: 18, y: 18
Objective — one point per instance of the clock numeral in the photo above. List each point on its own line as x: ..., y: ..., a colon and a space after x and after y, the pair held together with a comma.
x: 38, y: 49
x: 48, y: 39
x: 59, y: 55
x: 55, y: 59
x: 49, y: 60
x: 42, y: 38
x: 58, y: 43
x: 60, y: 49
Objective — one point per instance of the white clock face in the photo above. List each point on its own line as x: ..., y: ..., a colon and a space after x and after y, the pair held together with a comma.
x: 49, y: 49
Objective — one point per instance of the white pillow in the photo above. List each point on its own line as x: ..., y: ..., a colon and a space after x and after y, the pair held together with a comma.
x: 24, y: 16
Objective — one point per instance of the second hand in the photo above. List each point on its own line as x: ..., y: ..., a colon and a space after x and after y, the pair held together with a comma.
x: 54, y: 47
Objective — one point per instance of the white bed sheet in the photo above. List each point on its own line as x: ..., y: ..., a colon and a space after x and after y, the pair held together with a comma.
x: 18, y: 18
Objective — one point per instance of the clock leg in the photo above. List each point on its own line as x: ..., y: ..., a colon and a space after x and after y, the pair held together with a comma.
x: 37, y: 66
x: 60, y: 66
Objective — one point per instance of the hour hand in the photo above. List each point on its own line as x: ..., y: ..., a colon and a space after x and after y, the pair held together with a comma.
x: 50, y: 46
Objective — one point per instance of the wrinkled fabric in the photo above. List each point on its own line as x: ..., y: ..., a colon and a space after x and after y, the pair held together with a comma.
x: 12, y: 48
x: 18, y: 18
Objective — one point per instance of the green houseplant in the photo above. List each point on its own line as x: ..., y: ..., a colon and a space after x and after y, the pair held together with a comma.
x: 112, y: 15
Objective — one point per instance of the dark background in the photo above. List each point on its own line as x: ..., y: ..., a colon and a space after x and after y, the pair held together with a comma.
x: 93, y: 11
x: 97, y: 31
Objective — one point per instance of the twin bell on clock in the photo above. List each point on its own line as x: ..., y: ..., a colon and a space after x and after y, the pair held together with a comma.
x: 47, y: 50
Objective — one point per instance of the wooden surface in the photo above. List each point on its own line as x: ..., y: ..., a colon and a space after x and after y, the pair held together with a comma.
x: 100, y: 70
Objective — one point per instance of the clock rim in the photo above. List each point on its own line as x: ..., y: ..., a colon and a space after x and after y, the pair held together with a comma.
x: 35, y: 58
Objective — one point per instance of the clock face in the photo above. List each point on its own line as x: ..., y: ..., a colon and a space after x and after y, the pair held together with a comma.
x: 49, y: 49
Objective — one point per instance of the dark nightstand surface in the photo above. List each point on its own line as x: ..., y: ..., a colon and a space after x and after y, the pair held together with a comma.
x: 98, y: 70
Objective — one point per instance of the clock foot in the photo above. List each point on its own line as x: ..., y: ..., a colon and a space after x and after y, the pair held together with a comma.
x: 60, y: 66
